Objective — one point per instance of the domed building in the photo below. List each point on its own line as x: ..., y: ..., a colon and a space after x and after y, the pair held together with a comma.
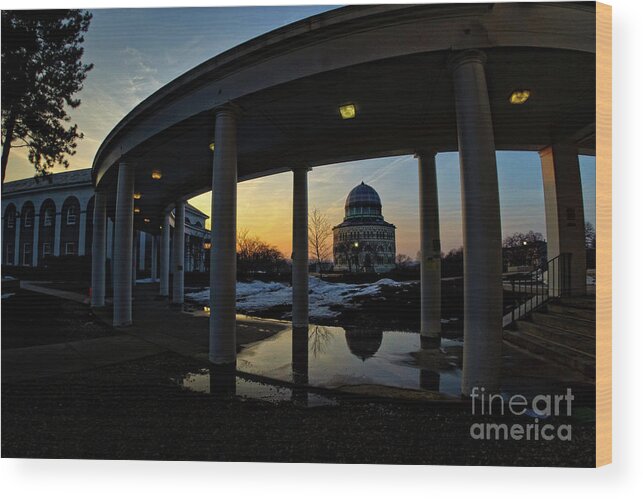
x: 364, y: 241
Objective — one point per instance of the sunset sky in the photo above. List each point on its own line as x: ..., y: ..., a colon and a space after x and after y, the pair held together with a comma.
x: 136, y: 51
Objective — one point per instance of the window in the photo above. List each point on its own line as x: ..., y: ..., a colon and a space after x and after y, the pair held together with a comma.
x: 27, y: 254
x: 9, y: 254
x: 28, y: 218
x: 46, y: 249
x: 11, y: 220
x: 70, y: 248
x: 71, y: 215
x: 49, y: 217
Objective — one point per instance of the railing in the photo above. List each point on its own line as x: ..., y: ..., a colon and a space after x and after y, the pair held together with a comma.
x: 533, y: 290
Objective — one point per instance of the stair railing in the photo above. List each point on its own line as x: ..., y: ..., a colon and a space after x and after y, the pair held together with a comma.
x: 533, y: 290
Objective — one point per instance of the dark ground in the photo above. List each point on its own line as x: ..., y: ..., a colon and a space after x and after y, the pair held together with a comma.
x: 30, y: 319
x: 136, y: 411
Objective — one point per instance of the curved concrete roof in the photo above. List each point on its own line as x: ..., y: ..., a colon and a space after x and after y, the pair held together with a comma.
x: 391, y: 62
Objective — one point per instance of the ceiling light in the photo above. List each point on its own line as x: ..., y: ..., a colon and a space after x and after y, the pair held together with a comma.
x: 519, y: 96
x: 212, y: 146
x: 137, y: 209
x: 146, y: 220
x: 156, y: 174
x: 347, y: 112
x: 137, y: 195
x: 207, y: 245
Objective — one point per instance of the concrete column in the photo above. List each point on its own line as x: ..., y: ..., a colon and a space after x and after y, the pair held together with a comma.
x: 16, y: 244
x: 110, y: 238
x: 137, y: 238
x: 223, y: 255
x: 57, y: 230
x: 36, y: 238
x: 82, y: 227
x: 110, y: 250
x: 141, y: 253
x: 99, y: 248
x: 480, y: 225
x: 154, y: 259
x: 430, y: 266
x: 164, y: 284
x: 300, y: 248
x: 123, y: 240
x: 564, y: 212
x: 178, y: 255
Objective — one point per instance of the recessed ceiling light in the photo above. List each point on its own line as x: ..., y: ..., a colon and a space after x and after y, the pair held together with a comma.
x: 137, y: 195
x: 146, y: 220
x: 137, y: 209
x: 156, y: 174
x: 212, y: 146
x: 347, y: 112
x: 519, y: 96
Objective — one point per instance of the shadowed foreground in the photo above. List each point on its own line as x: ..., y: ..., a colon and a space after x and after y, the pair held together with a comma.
x: 135, y: 410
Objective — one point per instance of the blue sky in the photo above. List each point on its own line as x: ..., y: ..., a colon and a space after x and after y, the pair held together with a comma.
x: 136, y: 51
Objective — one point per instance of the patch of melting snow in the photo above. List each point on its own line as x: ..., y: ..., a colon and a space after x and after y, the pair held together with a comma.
x: 258, y: 295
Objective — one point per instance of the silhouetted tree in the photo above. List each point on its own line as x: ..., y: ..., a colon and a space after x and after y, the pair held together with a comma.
x: 453, y: 263
x: 590, y: 236
x: 524, y: 249
x: 403, y: 261
x: 255, y: 255
x: 319, y: 232
x: 41, y: 72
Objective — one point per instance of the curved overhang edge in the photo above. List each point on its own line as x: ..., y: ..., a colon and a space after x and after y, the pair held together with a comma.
x: 316, y: 24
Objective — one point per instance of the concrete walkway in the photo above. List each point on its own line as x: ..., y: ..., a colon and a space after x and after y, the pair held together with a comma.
x: 157, y: 328
x: 36, y: 287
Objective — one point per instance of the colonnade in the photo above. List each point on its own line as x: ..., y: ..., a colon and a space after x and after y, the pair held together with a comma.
x: 483, y: 300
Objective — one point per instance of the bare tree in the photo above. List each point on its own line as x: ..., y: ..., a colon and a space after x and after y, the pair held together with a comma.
x: 590, y: 235
x: 319, y: 232
x: 255, y: 255
x: 403, y: 261
x: 524, y: 249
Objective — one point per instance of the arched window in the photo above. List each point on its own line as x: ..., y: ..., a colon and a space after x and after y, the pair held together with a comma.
x: 10, y: 217
x: 28, y: 216
x: 49, y: 216
x: 71, y: 215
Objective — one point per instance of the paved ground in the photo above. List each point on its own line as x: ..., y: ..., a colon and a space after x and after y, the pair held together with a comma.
x: 157, y: 328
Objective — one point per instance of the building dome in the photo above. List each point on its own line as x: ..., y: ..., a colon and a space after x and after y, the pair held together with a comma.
x: 363, y: 201
x: 364, y: 241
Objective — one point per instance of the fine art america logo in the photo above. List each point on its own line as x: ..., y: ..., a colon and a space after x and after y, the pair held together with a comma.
x: 541, y: 408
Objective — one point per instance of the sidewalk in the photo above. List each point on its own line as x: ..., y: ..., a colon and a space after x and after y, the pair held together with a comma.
x: 156, y: 328
x: 65, y: 295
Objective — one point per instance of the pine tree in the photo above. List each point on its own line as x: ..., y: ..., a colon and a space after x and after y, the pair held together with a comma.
x: 41, y: 72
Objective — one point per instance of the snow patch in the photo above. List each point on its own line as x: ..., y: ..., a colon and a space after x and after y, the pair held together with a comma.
x: 258, y: 295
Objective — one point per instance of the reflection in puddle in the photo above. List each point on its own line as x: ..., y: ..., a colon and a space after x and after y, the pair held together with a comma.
x: 332, y: 357
x: 204, y: 382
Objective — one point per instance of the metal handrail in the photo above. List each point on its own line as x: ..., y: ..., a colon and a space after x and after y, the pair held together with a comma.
x: 551, y: 280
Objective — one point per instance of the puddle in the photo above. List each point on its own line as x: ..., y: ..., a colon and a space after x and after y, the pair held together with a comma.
x: 331, y: 357
x: 202, y: 382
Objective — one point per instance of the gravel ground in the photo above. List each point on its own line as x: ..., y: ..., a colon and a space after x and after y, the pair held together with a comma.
x: 136, y: 411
